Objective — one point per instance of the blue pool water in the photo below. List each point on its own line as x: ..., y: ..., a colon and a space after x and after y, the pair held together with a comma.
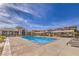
x: 43, y: 40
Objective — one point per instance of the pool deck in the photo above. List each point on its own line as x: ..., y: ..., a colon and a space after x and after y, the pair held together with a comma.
x: 20, y: 47
x: 6, y: 50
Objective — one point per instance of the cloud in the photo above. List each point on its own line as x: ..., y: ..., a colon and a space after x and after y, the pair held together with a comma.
x: 6, y: 19
x: 3, y: 12
x: 27, y: 8
x: 36, y: 26
x: 3, y: 25
x: 26, y: 15
x: 1, y: 3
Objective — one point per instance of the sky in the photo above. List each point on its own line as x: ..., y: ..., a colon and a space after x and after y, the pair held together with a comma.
x: 40, y: 16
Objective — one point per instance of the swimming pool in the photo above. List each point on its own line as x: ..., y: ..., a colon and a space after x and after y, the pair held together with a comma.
x: 42, y: 40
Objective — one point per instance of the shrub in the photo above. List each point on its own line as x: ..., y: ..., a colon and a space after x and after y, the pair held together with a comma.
x: 2, y: 38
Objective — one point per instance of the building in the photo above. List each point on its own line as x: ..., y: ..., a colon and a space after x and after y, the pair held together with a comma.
x: 59, y: 32
x: 64, y: 32
x: 12, y: 32
x: 39, y: 33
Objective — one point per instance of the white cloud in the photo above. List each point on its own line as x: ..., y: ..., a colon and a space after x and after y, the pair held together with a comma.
x: 3, y: 25
x: 24, y: 7
x: 14, y: 19
x: 17, y: 19
x: 1, y: 3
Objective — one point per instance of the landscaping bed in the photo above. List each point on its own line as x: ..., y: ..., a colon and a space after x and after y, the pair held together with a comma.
x: 2, y: 41
x: 1, y: 49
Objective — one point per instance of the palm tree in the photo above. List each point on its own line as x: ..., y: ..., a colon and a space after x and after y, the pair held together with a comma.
x: 19, y: 27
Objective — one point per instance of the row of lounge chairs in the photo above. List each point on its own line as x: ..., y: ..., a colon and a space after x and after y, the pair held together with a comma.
x: 74, y: 42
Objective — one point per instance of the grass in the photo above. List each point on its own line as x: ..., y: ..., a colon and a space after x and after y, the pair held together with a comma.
x: 1, y: 49
x: 2, y: 39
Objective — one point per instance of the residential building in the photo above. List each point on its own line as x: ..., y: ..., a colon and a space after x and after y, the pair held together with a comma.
x: 64, y: 32
x: 12, y: 32
x: 59, y: 32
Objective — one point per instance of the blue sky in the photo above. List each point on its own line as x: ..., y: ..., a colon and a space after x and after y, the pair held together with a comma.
x: 39, y: 16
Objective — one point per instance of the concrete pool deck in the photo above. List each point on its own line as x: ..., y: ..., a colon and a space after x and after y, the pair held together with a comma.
x: 6, y: 50
x: 21, y: 47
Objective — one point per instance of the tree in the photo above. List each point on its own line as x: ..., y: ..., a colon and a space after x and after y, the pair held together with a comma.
x: 19, y: 27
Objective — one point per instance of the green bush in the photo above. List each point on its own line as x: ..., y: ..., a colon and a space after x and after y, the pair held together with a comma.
x: 2, y: 38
